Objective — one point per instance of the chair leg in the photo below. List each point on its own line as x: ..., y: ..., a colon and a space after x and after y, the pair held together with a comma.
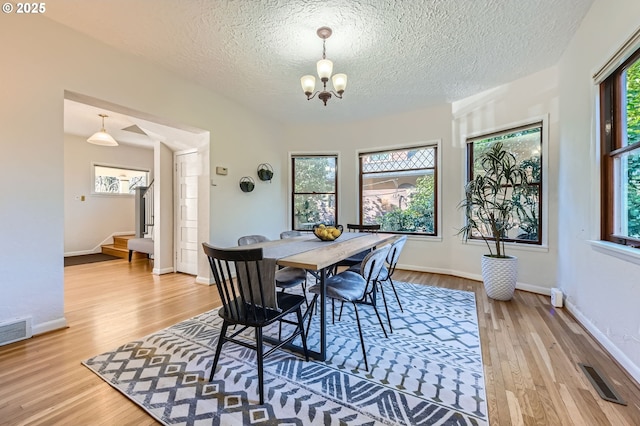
x: 364, y: 352
x: 280, y: 327
x: 303, y: 335
x: 333, y: 315
x: 380, y: 320
x: 314, y: 306
x: 386, y: 308
x: 304, y: 292
x: 223, y: 334
x: 259, y: 356
x: 396, y: 293
x: 340, y: 314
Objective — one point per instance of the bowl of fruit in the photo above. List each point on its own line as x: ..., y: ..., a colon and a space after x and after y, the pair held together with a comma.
x: 327, y: 232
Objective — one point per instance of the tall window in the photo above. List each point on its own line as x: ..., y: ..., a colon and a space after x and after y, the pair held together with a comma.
x: 620, y: 136
x: 525, y: 143
x: 398, y: 190
x: 315, y: 190
x: 118, y: 180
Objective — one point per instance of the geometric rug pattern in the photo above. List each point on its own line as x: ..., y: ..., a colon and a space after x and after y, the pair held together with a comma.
x: 427, y: 372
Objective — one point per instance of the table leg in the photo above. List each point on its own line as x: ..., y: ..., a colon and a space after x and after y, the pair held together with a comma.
x: 322, y: 354
x: 323, y: 316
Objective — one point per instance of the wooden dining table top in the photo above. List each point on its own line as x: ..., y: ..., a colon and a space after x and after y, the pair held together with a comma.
x: 308, y: 252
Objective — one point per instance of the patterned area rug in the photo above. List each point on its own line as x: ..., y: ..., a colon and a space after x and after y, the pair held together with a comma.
x: 427, y: 372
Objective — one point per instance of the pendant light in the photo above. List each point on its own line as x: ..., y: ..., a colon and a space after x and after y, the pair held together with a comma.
x: 102, y: 137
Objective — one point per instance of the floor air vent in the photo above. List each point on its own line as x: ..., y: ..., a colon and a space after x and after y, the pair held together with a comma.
x: 12, y: 331
x: 601, y: 385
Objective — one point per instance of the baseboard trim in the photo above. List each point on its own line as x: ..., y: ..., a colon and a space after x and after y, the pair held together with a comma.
x: 609, y: 346
x: 98, y: 248
x: 601, y: 338
x: 82, y: 252
x: 48, y: 326
x: 204, y: 280
x: 158, y: 271
x: 476, y: 277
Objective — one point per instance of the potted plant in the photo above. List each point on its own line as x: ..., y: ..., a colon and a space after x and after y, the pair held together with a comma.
x: 491, y: 209
x: 265, y: 172
x: 247, y: 184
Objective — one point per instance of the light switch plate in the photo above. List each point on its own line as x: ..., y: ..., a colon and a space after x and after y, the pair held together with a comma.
x: 221, y: 170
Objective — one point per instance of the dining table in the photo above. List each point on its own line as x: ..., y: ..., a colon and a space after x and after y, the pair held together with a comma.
x: 319, y: 257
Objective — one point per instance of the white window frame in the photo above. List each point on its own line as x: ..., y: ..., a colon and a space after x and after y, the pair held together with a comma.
x: 114, y: 166
x: 544, y: 119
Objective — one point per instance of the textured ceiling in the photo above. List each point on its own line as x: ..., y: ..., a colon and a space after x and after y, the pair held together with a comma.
x: 399, y: 55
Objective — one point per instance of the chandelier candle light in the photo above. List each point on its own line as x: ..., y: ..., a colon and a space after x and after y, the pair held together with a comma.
x: 325, y: 68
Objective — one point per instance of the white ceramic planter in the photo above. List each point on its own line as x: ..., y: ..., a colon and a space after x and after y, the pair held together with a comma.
x: 500, y: 276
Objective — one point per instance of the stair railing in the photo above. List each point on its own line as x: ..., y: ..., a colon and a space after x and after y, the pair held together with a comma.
x: 144, y: 210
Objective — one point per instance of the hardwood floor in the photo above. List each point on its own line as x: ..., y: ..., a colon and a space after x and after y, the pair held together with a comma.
x: 530, y: 352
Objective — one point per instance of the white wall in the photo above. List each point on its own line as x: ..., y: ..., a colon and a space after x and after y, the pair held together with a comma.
x: 519, y: 102
x: 602, y: 290
x: 163, y: 258
x: 32, y: 140
x: 426, y: 125
x: 88, y: 223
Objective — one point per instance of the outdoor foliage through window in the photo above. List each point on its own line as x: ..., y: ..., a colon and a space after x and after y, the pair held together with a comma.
x: 525, y: 143
x: 115, y: 180
x: 398, y: 190
x: 621, y: 150
x: 314, y: 191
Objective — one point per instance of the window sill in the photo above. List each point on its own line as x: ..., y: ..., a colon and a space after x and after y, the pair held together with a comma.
x: 511, y: 246
x: 430, y: 238
x: 111, y: 194
x: 628, y: 254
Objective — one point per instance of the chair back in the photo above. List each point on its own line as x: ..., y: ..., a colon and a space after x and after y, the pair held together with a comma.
x: 251, y: 292
x: 289, y: 234
x: 252, y: 239
x: 394, y: 253
x: 362, y: 228
x: 372, y: 266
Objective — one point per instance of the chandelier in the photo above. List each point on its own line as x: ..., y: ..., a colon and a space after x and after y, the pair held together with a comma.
x: 325, y: 68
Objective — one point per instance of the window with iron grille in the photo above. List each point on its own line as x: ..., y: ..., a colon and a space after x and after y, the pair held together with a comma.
x: 620, y: 138
x: 525, y: 143
x: 315, y: 190
x: 398, y: 189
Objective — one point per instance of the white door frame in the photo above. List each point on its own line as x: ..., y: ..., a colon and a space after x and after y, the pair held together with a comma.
x: 176, y: 206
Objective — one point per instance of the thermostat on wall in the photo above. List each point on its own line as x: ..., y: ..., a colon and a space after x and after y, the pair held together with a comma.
x: 221, y: 170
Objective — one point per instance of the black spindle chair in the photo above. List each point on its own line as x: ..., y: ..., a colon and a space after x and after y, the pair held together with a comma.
x: 249, y: 299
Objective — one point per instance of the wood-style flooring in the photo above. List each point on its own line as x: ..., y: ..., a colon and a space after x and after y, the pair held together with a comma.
x: 530, y: 352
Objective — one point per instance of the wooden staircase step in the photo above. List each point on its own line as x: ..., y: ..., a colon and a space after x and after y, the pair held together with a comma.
x: 120, y: 241
x: 123, y: 253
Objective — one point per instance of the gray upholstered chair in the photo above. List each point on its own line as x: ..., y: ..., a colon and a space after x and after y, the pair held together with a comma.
x: 251, y: 239
x: 289, y: 234
x: 141, y: 245
x: 387, y: 273
x: 357, y: 288
x: 357, y: 258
